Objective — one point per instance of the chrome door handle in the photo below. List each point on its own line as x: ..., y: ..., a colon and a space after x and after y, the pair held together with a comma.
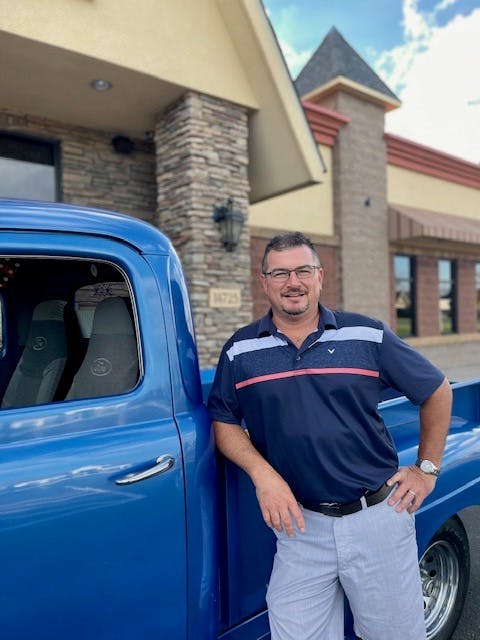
x: 162, y: 464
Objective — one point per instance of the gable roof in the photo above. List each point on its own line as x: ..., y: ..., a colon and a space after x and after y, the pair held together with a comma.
x: 335, y: 57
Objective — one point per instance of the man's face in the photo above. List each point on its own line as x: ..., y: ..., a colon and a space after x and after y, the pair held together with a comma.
x: 295, y: 296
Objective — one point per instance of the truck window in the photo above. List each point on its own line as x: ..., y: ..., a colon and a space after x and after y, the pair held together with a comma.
x: 69, y: 332
x: 1, y: 325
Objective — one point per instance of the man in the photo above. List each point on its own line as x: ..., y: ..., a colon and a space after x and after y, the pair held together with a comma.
x: 306, y: 380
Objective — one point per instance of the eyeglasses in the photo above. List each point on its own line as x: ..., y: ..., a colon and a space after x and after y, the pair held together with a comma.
x: 282, y: 275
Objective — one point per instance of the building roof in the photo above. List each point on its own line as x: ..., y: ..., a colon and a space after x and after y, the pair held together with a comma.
x: 335, y: 57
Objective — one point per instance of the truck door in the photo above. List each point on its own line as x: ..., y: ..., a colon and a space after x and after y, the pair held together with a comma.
x: 92, y: 514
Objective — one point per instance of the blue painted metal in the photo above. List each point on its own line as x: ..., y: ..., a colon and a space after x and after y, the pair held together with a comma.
x: 83, y: 556
x: 29, y: 215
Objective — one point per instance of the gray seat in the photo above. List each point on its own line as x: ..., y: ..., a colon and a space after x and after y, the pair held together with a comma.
x: 110, y: 365
x: 42, y: 362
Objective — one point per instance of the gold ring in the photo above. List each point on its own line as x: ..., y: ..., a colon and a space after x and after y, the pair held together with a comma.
x: 412, y: 492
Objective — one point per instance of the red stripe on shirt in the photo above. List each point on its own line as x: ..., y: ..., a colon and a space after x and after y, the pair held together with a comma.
x: 306, y: 372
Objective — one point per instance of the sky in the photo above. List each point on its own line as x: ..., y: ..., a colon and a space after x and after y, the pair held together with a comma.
x: 426, y: 51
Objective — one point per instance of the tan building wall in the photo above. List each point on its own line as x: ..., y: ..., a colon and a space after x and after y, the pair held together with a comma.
x: 421, y: 191
x: 308, y: 210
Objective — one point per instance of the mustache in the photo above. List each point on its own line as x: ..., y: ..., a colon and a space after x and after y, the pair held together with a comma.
x: 294, y: 289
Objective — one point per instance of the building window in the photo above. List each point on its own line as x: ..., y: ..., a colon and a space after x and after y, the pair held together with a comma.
x: 29, y: 168
x: 446, y: 289
x: 404, y: 296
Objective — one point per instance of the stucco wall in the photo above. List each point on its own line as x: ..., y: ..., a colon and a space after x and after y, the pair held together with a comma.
x: 151, y: 37
x: 418, y: 190
x: 309, y: 210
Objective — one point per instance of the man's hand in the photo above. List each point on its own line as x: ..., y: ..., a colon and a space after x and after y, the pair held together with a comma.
x: 277, y: 502
x: 413, y: 486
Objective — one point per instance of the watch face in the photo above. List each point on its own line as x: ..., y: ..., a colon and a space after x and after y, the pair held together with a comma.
x: 427, y: 466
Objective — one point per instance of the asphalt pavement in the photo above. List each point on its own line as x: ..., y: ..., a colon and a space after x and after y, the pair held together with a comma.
x: 469, y: 626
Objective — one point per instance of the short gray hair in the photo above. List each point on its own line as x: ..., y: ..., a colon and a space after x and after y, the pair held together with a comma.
x: 289, y: 241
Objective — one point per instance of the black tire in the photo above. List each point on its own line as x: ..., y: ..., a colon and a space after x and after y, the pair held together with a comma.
x: 445, y: 573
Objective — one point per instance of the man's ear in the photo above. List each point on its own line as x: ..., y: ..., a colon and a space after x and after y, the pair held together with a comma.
x: 263, y: 280
x: 320, y: 277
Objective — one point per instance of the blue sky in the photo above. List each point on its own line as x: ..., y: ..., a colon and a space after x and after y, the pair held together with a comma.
x: 427, y: 52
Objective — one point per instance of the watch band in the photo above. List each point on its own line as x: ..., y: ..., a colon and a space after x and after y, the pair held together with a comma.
x: 427, y: 466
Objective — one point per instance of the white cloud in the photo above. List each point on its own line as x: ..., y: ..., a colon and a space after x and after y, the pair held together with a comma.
x: 295, y: 60
x: 444, y: 4
x: 436, y: 74
x: 415, y: 24
x: 286, y: 26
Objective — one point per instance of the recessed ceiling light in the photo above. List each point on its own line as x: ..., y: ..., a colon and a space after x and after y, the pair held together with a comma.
x: 101, y: 85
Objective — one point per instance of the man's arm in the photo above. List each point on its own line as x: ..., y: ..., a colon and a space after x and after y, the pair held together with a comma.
x: 276, y: 500
x: 414, y: 485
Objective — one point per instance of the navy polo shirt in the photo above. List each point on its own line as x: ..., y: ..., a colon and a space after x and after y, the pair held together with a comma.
x: 312, y: 412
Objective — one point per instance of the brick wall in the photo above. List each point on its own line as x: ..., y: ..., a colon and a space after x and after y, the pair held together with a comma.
x: 426, y: 296
x: 328, y: 257
x: 202, y: 158
x: 466, y: 299
x: 92, y: 173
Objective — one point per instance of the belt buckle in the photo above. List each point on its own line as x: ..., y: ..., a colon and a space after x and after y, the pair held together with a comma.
x: 332, y: 509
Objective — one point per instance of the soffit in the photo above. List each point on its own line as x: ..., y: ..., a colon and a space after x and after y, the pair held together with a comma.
x: 50, y: 81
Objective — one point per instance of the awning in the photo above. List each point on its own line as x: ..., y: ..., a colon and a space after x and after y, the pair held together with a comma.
x: 407, y: 223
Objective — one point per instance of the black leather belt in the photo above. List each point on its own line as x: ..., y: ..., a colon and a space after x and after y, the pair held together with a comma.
x: 339, y: 509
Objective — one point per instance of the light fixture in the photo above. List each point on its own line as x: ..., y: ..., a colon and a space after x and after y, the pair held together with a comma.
x: 230, y: 223
x: 101, y: 85
x: 122, y: 144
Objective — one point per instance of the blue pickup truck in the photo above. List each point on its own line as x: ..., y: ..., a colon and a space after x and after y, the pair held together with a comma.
x: 116, y: 519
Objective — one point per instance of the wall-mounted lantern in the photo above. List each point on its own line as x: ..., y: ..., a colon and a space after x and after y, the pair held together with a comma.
x: 230, y: 222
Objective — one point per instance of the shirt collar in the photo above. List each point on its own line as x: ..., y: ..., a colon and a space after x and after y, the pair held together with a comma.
x: 326, y: 320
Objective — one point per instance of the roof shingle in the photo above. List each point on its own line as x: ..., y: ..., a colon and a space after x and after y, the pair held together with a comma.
x: 335, y: 57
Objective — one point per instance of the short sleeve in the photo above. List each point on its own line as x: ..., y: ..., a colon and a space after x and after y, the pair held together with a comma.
x: 223, y: 404
x: 407, y: 370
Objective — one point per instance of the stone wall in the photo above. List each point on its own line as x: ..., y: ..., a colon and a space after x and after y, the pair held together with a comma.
x: 91, y: 173
x: 201, y: 146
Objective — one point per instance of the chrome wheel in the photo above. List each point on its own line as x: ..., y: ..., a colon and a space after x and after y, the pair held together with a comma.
x: 439, y: 571
x: 444, y: 571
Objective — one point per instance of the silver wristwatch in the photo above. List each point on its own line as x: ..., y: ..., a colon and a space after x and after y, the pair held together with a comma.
x: 427, y: 466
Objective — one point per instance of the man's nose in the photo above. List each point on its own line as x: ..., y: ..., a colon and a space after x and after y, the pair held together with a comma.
x: 293, y: 276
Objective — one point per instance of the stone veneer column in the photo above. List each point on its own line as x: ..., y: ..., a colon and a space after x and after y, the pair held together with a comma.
x: 360, y: 206
x: 201, y: 147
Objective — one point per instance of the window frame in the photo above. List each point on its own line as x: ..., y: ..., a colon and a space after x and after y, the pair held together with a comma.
x: 54, y: 148
x: 129, y: 287
x: 453, y: 296
x: 412, y: 291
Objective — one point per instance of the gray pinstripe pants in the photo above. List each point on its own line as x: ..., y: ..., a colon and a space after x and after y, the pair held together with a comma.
x: 369, y: 556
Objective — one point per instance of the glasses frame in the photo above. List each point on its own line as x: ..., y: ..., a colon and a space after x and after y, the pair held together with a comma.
x: 290, y: 271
